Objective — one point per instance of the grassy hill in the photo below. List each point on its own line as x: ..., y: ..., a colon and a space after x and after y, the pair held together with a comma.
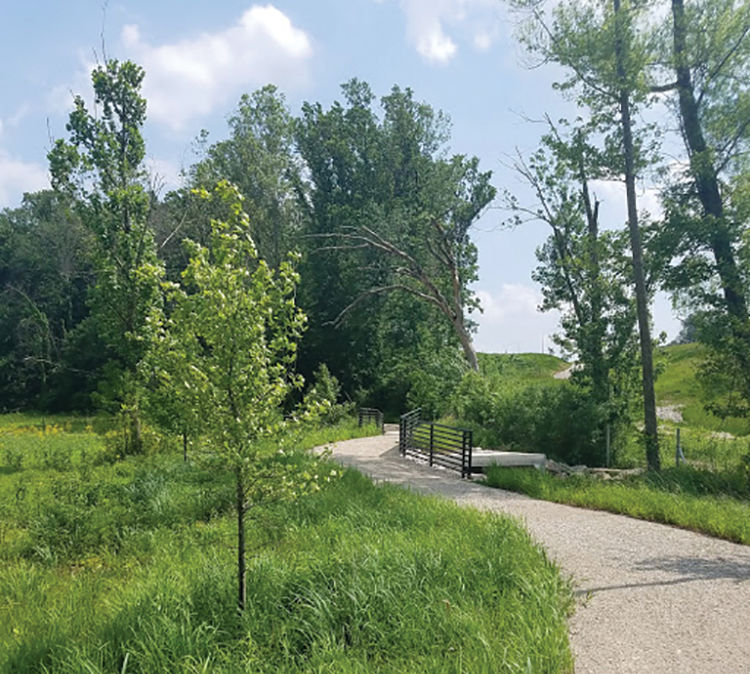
x: 520, y: 366
x: 677, y: 384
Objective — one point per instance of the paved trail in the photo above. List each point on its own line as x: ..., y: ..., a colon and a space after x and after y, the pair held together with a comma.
x: 651, y: 598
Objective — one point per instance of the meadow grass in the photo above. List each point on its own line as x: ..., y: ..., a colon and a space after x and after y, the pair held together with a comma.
x: 127, y: 565
x: 702, y: 448
x: 712, y: 503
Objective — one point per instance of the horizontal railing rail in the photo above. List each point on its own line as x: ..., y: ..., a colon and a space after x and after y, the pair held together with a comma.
x: 440, y: 445
x: 367, y: 415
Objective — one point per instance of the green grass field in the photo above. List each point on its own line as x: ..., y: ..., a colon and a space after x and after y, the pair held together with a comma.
x: 520, y: 367
x: 126, y: 564
x: 710, y: 494
x: 677, y: 384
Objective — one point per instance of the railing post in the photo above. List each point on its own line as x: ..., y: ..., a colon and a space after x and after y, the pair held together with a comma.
x: 471, y: 444
x: 432, y: 436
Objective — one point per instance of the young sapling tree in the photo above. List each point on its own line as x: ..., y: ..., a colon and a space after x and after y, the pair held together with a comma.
x: 228, y: 351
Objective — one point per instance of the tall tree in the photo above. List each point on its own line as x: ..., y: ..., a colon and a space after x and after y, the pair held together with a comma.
x: 605, y: 57
x: 582, y: 270
x: 101, y: 169
x: 45, y: 271
x: 709, y: 54
x: 259, y: 158
x: 393, y: 207
x: 628, y: 72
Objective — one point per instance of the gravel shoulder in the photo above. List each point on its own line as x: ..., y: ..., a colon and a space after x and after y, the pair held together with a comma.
x: 651, y: 598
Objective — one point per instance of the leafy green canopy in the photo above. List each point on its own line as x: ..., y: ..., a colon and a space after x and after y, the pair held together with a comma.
x: 388, y: 259
x: 230, y: 343
x: 100, y: 169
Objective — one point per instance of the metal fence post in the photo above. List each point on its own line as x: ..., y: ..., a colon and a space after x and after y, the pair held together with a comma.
x: 469, y: 449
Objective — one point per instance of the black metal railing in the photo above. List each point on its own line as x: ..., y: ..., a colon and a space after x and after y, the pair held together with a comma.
x: 438, y: 444
x: 370, y: 415
x: 407, y: 423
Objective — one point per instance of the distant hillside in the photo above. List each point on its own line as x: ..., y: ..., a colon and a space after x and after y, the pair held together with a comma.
x: 676, y: 384
x: 520, y: 366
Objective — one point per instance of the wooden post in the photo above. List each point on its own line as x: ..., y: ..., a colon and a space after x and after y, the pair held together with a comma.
x: 432, y: 437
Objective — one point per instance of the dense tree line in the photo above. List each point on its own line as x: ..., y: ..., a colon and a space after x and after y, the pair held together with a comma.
x: 367, y: 192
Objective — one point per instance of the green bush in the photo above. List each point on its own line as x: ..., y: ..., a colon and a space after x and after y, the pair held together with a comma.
x: 326, y: 391
x: 556, y: 418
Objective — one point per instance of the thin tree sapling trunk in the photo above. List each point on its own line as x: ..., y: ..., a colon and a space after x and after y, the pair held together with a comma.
x: 641, y: 296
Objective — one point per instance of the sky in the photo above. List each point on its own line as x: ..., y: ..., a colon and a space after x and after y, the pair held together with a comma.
x: 459, y: 56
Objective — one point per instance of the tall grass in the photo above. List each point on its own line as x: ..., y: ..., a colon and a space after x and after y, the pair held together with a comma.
x: 130, y: 567
x: 703, y: 501
x: 701, y: 448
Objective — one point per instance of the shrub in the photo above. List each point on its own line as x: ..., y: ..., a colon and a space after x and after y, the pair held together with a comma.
x: 325, y: 392
x: 555, y: 418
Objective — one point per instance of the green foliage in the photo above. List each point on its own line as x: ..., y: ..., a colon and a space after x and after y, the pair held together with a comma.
x: 227, y: 354
x: 131, y: 569
x: 390, y: 256
x: 100, y: 170
x: 45, y: 262
x: 584, y: 273
x: 259, y: 159
x: 605, y: 56
x: 554, y: 418
x: 229, y: 344
x: 324, y: 395
x: 702, y: 501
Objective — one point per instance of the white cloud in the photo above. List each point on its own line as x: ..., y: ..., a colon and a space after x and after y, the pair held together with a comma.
x: 19, y: 115
x: 482, y: 41
x: 511, y: 320
x: 428, y: 22
x: 17, y: 177
x: 613, y: 206
x: 189, y: 78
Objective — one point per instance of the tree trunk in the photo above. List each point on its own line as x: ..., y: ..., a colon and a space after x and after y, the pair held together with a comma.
x: 136, y: 437
x: 641, y: 296
x: 241, y: 580
x: 704, y: 172
x: 467, y: 344
x: 595, y: 332
x: 184, y: 446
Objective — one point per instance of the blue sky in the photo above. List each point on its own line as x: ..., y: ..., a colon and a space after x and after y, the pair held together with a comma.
x: 458, y: 55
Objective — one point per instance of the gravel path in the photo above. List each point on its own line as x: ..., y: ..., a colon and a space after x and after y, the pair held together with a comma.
x: 651, y: 598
